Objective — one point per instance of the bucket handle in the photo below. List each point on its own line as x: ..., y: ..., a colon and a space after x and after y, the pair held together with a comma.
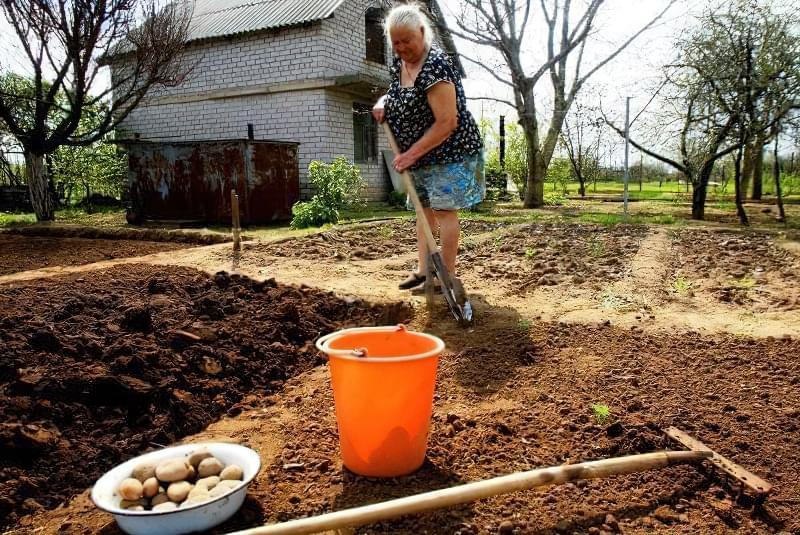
x: 360, y: 352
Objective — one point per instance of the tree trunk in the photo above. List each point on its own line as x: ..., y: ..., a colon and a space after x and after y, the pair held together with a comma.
x: 758, y: 172
x: 534, y: 185
x: 776, y: 170
x: 39, y: 187
x: 699, y: 201
x: 748, y: 161
x: 699, y: 191
x: 737, y: 179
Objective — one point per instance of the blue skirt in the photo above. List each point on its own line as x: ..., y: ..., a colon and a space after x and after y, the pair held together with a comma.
x: 451, y: 186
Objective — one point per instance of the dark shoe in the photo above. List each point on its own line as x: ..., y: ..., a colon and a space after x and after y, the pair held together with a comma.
x: 413, y: 280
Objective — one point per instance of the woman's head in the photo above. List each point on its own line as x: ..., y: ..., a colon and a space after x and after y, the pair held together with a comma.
x: 409, y: 32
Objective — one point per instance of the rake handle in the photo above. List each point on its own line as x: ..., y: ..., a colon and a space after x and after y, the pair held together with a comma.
x: 478, y: 490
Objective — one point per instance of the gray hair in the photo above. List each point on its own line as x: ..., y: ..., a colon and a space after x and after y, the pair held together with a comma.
x: 409, y: 16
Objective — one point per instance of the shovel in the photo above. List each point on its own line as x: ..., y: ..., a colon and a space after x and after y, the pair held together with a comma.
x: 456, y: 298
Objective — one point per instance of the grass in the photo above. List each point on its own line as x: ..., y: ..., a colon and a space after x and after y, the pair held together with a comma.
x: 13, y: 219
x: 599, y: 218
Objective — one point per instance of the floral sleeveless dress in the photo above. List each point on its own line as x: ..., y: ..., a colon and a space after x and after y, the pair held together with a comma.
x: 451, y: 176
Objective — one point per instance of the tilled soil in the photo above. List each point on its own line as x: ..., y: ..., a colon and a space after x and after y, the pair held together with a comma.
x: 528, y: 256
x: 737, y: 268
x: 513, y: 394
x: 22, y: 253
x: 99, y: 367
x: 371, y: 242
x: 520, y: 400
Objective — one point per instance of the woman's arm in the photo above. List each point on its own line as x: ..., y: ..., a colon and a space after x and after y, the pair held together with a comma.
x: 442, y: 100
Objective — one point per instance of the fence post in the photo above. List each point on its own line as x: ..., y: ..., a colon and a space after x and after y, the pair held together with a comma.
x: 237, y: 245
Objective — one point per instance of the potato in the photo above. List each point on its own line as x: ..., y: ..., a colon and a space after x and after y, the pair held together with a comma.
x: 197, y: 495
x: 231, y: 472
x: 178, y: 491
x: 199, y: 455
x: 159, y: 498
x: 130, y: 489
x: 144, y: 471
x: 223, y: 487
x: 130, y: 504
x: 192, y: 473
x: 209, y: 467
x: 136, y: 508
x: 150, y: 487
x: 172, y: 470
x: 165, y: 506
x: 208, y: 482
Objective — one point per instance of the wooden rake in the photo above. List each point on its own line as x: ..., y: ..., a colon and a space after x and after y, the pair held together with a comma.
x: 541, y: 477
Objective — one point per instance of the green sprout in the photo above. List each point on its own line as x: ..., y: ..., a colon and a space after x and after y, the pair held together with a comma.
x: 596, y: 248
x: 524, y: 325
x: 745, y: 283
x: 681, y: 285
x: 601, y: 412
x: 386, y: 232
x: 530, y: 252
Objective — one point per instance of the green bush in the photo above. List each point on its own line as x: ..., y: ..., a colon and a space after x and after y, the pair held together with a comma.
x: 338, y: 185
x: 555, y: 198
x: 313, y: 213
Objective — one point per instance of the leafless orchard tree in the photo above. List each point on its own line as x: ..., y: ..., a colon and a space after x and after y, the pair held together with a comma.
x: 736, y: 79
x: 581, y: 139
x: 67, y: 44
x: 501, y: 25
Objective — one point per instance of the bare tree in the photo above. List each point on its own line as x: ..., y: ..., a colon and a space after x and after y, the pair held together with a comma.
x: 581, y: 139
x: 67, y: 45
x: 737, y: 77
x: 501, y: 25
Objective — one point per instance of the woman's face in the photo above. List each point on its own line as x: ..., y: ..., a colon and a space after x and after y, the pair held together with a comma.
x: 408, y: 43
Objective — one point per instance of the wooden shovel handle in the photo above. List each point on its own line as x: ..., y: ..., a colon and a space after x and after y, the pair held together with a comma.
x: 478, y: 490
x: 408, y: 183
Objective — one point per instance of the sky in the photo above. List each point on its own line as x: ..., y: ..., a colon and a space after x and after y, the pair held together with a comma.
x: 633, y: 73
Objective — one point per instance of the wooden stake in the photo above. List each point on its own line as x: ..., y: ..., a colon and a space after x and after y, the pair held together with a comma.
x: 478, y: 490
x: 237, y: 243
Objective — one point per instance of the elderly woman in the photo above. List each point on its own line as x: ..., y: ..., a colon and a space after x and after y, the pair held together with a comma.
x: 441, y: 145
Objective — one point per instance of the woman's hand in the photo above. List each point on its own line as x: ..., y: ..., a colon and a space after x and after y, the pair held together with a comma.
x: 404, y: 161
x: 378, y: 111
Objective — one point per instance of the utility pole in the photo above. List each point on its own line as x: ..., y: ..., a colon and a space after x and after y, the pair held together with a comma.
x: 627, y: 148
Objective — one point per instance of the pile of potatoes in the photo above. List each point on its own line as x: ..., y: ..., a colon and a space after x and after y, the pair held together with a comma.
x: 178, y: 482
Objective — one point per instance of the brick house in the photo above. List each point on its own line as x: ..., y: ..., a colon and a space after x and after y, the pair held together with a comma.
x: 304, y: 71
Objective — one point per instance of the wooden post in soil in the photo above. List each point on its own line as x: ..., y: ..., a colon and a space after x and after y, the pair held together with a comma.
x: 237, y: 243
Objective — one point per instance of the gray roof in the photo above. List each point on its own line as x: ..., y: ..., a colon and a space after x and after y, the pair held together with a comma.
x: 219, y: 18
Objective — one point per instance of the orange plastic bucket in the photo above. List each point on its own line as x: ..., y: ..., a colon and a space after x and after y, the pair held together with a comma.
x: 383, y: 381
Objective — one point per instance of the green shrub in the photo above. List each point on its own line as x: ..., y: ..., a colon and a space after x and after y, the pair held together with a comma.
x: 338, y: 185
x: 313, y: 213
x: 555, y: 198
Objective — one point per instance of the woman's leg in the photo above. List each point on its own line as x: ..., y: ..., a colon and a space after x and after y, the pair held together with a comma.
x: 422, y: 247
x: 449, y: 233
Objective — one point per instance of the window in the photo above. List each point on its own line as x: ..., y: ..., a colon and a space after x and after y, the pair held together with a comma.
x: 365, y: 134
x: 373, y: 30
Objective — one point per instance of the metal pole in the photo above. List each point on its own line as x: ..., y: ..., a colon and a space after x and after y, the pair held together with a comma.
x: 627, y: 143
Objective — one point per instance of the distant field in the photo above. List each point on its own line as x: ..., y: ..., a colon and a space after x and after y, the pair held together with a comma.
x: 673, y: 190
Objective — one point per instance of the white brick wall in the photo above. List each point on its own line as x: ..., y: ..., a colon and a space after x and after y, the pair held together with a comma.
x: 320, y: 119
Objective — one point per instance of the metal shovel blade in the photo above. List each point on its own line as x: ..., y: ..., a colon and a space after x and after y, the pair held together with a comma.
x: 462, y: 314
